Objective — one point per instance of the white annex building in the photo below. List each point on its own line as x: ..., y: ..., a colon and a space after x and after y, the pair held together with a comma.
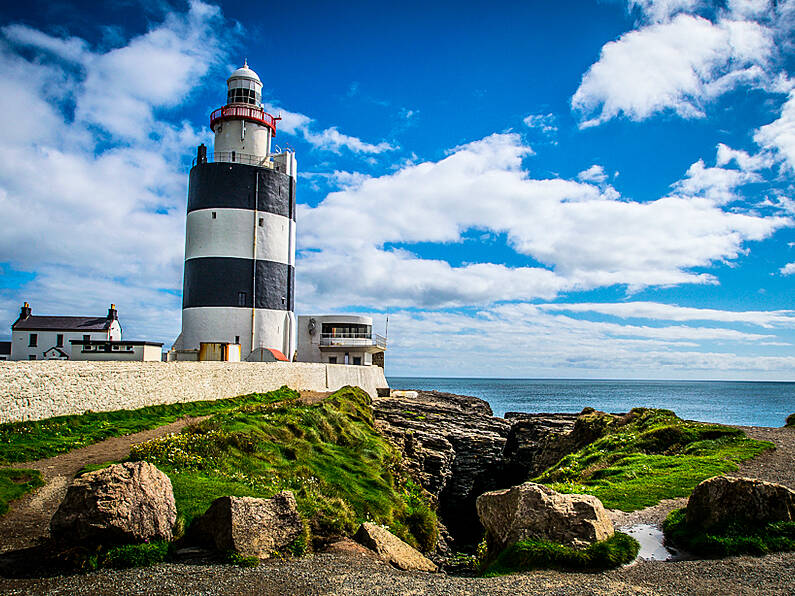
x: 240, y: 235
x: 339, y: 339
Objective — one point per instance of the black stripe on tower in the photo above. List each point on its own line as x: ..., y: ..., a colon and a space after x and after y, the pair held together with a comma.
x: 227, y: 281
x: 232, y: 185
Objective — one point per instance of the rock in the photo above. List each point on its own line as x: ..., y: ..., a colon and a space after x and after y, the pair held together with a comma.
x: 391, y: 548
x: 251, y: 527
x: 538, y: 441
x: 533, y: 510
x: 724, y: 499
x: 452, y: 446
x: 123, y: 503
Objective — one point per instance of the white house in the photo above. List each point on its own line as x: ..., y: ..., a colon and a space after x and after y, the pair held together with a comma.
x: 339, y: 339
x: 42, y: 337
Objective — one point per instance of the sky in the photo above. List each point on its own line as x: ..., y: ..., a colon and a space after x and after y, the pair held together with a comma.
x: 578, y: 189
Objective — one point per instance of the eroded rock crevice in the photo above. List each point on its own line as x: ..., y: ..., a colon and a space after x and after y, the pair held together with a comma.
x: 456, y: 449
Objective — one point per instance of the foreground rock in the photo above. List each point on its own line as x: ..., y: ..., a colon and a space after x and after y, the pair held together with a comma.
x: 123, y: 503
x: 391, y: 548
x: 536, y: 511
x: 724, y: 499
x: 251, y: 527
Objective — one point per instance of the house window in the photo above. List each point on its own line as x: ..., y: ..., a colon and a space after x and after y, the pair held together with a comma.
x: 59, y: 340
x: 357, y: 360
x: 32, y: 357
x: 332, y: 360
x: 347, y: 358
x: 33, y: 340
x: 241, y: 298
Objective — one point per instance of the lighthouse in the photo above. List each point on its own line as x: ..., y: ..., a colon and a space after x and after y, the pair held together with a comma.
x: 239, y: 275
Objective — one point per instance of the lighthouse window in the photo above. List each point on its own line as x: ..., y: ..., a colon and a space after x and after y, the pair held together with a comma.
x: 214, y: 215
x: 241, y: 298
x: 261, y: 221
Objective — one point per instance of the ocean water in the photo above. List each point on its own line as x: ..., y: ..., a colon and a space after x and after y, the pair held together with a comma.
x: 730, y: 402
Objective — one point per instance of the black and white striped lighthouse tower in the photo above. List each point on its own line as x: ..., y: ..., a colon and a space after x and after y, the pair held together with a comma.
x: 240, y: 236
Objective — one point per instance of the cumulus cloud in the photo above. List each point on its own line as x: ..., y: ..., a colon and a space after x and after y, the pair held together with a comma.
x: 598, y: 238
x: 746, y: 162
x: 673, y: 66
x: 329, y: 139
x: 93, y: 198
x: 788, y: 269
x: 595, y: 173
x: 658, y: 11
x: 716, y: 184
x: 547, y: 124
x: 779, y: 135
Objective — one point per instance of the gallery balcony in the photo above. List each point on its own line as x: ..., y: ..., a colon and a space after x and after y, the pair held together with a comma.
x: 368, y: 342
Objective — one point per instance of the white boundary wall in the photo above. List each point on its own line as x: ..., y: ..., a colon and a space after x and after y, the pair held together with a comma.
x: 42, y: 389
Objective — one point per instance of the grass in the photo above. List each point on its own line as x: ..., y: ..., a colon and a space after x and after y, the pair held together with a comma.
x: 15, y: 483
x: 729, y: 540
x: 134, y: 555
x: 341, y: 470
x: 27, y: 441
x: 649, y: 455
x: 543, y: 554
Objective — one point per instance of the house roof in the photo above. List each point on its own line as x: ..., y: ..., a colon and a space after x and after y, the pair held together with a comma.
x: 55, y: 323
x: 5, y: 348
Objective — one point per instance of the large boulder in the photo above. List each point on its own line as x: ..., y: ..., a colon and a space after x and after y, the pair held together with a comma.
x: 533, y: 510
x: 123, y: 503
x: 391, y: 548
x: 724, y: 500
x: 251, y: 527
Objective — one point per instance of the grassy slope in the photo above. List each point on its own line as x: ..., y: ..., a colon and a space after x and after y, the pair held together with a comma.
x: 650, y: 455
x: 731, y: 540
x: 340, y: 468
x: 27, y: 441
x: 15, y: 483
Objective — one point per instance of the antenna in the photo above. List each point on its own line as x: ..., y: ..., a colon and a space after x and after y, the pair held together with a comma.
x: 386, y: 327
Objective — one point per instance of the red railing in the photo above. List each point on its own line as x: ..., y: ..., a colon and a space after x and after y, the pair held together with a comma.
x: 252, y: 113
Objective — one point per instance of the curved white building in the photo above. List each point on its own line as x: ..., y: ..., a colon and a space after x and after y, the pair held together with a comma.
x: 340, y: 339
x: 240, y: 234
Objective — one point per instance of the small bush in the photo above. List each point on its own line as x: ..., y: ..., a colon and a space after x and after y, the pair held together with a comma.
x: 543, y: 554
x: 134, y: 555
x: 234, y: 558
x: 791, y: 420
x: 730, y: 540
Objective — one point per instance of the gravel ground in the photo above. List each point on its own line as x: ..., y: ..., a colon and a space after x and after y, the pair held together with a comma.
x: 352, y: 574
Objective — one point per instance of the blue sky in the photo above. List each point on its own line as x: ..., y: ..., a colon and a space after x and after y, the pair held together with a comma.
x: 569, y: 189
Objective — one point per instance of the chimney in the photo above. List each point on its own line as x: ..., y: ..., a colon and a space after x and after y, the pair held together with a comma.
x: 201, y: 155
x: 113, y: 314
x: 24, y: 312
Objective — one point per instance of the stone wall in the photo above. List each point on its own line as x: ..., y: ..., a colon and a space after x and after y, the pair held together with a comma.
x: 33, y: 390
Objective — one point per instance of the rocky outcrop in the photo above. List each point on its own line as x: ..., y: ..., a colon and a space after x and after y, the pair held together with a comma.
x: 536, y: 511
x: 123, y: 503
x: 538, y: 441
x: 251, y: 527
x: 723, y: 500
x: 452, y: 446
x: 392, y: 549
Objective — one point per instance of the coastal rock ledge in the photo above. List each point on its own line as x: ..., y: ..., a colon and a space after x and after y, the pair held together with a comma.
x: 533, y: 510
x: 392, y: 549
x: 725, y: 499
x: 123, y: 503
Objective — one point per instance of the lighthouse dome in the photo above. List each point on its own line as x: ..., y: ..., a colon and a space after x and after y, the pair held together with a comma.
x: 244, y: 86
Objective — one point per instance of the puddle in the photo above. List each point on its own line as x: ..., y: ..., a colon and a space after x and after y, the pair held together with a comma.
x: 652, y: 547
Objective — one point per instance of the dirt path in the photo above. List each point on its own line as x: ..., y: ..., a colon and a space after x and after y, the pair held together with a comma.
x: 28, y: 520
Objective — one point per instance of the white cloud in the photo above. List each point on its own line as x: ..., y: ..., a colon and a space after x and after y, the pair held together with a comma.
x: 662, y: 10
x: 671, y: 312
x: 546, y: 123
x: 678, y: 65
x: 94, y: 203
x: 595, y: 174
x: 585, y: 237
x: 788, y: 269
x: 779, y: 135
x: 746, y: 162
x: 329, y: 139
x: 716, y: 184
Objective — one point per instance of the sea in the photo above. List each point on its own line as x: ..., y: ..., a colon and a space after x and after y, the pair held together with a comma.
x: 748, y: 403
